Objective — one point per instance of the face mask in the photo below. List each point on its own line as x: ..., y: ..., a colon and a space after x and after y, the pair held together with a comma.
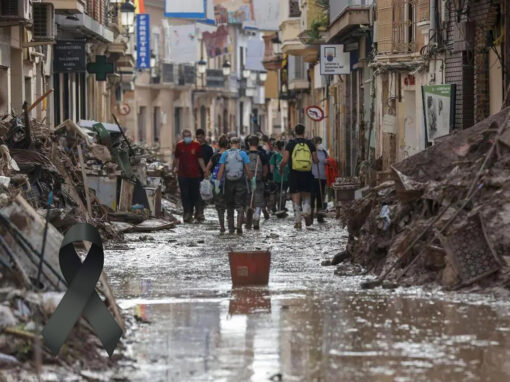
x: 187, y: 140
x: 321, y: 147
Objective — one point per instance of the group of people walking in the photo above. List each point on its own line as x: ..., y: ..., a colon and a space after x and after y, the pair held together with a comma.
x: 251, y: 178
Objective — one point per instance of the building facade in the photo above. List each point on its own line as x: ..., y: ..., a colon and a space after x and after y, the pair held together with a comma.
x: 418, y: 69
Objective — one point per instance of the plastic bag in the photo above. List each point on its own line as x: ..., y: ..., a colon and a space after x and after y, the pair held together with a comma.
x: 206, y: 190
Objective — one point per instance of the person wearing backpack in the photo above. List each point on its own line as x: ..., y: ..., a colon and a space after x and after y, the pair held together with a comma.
x: 212, y: 171
x: 319, y: 184
x: 300, y: 154
x: 234, y: 164
x: 281, y: 194
x: 259, y: 169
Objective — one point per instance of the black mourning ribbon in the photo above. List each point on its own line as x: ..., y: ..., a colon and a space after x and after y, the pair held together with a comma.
x: 81, y: 297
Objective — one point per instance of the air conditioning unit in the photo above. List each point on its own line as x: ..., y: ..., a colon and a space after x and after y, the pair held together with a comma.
x: 15, y: 11
x: 43, y: 28
x: 167, y: 73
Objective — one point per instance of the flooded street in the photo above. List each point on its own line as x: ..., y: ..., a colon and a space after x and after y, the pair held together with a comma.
x: 307, y: 325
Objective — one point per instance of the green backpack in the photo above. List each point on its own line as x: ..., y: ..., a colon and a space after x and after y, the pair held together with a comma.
x: 302, y: 157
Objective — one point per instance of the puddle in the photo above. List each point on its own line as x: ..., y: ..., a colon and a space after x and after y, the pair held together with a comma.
x: 307, y: 325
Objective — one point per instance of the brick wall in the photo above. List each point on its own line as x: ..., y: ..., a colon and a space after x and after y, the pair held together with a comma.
x: 468, y: 68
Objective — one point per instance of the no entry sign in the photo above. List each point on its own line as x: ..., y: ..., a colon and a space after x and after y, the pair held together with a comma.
x: 315, y: 113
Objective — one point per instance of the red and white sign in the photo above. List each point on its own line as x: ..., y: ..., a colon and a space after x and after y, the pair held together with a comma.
x: 124, y: 109
x: 315, y: 113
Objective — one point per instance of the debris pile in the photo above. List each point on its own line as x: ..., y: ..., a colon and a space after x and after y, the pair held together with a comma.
x: 50, y: 179
x: 87, y: 171
x: 444, y: 217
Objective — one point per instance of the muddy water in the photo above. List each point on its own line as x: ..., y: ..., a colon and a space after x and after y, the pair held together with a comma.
x: 307, y: 325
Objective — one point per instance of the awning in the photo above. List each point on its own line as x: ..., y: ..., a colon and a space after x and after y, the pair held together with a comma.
x: 84, y: 25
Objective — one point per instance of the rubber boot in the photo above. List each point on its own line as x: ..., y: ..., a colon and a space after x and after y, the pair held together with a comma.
x: 240, y: 217
x: 307, y: 211
x: 221, y: 218
x: 248, y: 218
x: 187, y: 217
x: 266, y: 213
x: 297, y: 215
x: 230, y: 221
x: 272, y: 203
x: 256, y: 218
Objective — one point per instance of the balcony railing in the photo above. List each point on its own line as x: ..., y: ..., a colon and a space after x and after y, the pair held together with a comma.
x: 337, y: 7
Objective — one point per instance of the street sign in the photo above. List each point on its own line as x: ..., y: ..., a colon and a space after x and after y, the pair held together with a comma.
x: 315, y: 113
x: 143, y: 41
x: 334, y: 60
x: 124, y: 109
x: 439, y: 110
x: 69, y: 56
x: 100, y: 68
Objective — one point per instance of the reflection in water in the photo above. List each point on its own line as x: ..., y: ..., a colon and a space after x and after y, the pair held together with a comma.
x: 353, y: 337
x: 247, y: 300
x: 308, y: 324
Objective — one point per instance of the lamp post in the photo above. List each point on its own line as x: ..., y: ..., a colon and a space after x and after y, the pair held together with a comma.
x: 246, y: 73
x: 154, y: 72
x: 127, y: 14
x: 226, y: 68
x: 202, y: 67
x: 263, y: 76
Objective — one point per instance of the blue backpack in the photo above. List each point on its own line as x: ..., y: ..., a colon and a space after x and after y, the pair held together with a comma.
x: 216, y: 169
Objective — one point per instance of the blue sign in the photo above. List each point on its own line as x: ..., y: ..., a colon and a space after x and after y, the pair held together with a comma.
x: 143, y: 41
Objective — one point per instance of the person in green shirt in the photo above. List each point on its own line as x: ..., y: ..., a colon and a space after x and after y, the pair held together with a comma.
x: 275, y: 161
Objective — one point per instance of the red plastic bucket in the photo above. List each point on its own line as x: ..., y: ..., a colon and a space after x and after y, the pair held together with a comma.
x: 249, y: 267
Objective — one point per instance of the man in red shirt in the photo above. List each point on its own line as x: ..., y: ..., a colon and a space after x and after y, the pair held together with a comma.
x: 187, y: 163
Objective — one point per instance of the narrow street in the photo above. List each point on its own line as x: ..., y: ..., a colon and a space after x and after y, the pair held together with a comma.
x: 307, y: 325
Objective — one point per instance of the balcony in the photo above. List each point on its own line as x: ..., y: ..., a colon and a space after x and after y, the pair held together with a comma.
x: 290, y: 29
x: 346, y: 16
x: 272, y: 55
x: 83, y: 25
x: 69, y: 6
x: 298, y: 73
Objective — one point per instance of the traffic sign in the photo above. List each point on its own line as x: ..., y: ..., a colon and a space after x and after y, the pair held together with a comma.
x: 315, y: 113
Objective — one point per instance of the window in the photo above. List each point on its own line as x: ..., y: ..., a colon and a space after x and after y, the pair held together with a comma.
x: 404, y: 26
x: 4, y: 107
x: 156, y: 122
x: 178, y: 120
x: 203, y: 118
x: 141, y: 123
x: 294, y: 10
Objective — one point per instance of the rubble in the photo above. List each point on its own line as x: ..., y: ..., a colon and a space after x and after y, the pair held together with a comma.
x: 444, y: 215
x: 51, y: 179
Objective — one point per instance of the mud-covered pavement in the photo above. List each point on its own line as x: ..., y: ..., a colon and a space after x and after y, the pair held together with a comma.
x: 307, y: 325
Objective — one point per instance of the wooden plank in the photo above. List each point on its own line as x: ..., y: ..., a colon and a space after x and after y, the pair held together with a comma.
x: 85, y: 181
x: 126, y: 195
x: 27, y: 220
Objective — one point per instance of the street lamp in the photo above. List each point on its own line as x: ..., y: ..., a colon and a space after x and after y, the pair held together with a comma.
x: 263, y: 76
x: 202, y: 66
x: 226, y: 68
x: 253, y: 76
x: 127, y: 12
x: 246, y: 73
